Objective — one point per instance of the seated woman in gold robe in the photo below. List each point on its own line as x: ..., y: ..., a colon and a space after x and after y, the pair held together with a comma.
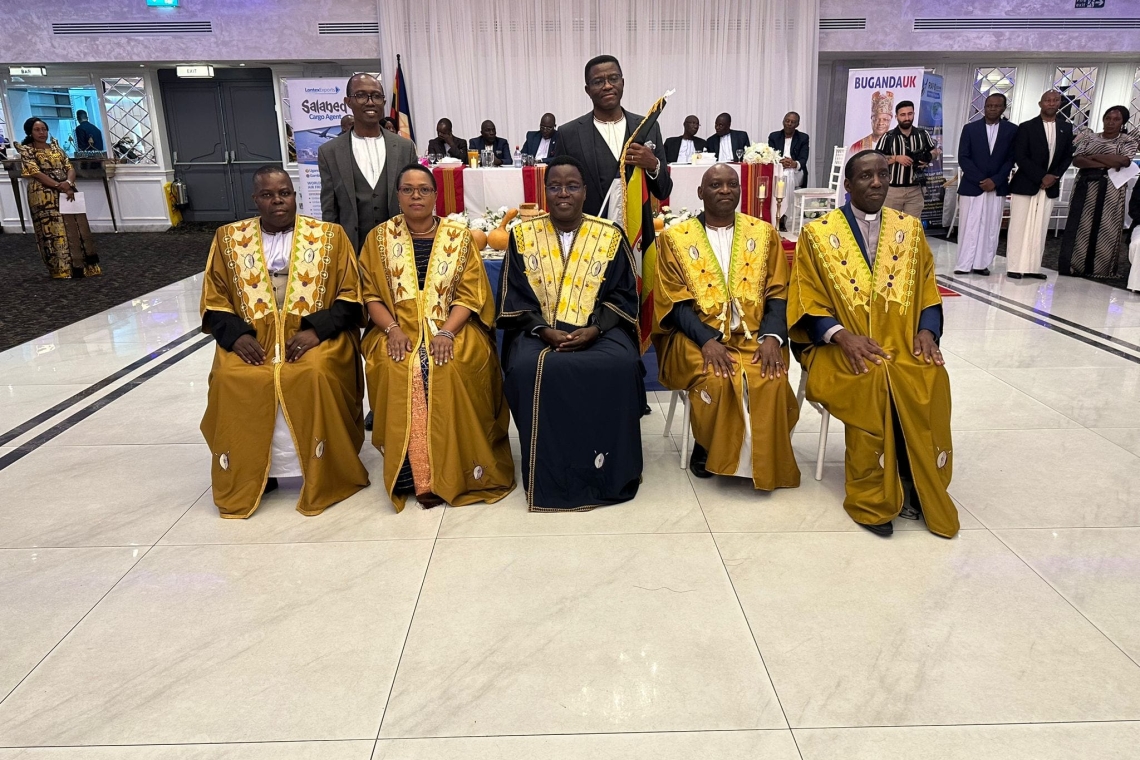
x: 433, y: 374
x: 281, y: 297
x: 720, y: 330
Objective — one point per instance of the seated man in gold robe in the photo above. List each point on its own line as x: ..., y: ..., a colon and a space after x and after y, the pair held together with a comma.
x: 281, y: 297
x: 719, y: 328
x: 865, y: 309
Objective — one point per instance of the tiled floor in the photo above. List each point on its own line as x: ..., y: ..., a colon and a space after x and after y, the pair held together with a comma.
x: 701, y: 620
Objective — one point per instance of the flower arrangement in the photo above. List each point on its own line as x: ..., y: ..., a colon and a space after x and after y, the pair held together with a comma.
x: 761, y: 153
x: 671, y: 217
x: 491, y: 220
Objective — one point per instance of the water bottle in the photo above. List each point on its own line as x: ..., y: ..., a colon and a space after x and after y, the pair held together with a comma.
x: 517, y: 157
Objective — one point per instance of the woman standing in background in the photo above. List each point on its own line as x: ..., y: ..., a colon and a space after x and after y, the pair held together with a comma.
x: 64, y: 240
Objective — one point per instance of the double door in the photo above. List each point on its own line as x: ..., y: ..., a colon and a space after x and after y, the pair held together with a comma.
x: 221, y: 131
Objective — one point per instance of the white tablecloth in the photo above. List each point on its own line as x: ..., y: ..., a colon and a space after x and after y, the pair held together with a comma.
x: 491, y: 188
x: 686, y: 180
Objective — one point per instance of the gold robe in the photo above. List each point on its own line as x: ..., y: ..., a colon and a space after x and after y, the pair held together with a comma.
x: 688, y: 272
x: 467, y: 417
x: 831, y: 278
x: 321, y: 394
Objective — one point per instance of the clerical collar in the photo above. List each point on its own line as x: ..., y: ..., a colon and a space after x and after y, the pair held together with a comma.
x: 861, y: 214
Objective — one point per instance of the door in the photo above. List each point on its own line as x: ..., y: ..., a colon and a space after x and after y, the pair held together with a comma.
x: 221, y: 131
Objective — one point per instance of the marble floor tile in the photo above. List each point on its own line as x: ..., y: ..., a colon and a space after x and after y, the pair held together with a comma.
x: 1045, y: 479
x: 916, y: 630
x: 1126, y: 438
x: 722, y: 745
x: 19, y: 403
x: 67, y: 363
x: 1042, y: 741
x: 99, y: 495
x: 665, y: 503
x: 732, y: 505
x: 367, y: 515
x: 330, y: 750
x: 981, y: 401
x: 578, y: 634
x: 150, y: 413
x: 229, y: 644
x: 1096, y: 398
x: 45, y: 592
x: 1027, y: 349
x: 1097, y: 569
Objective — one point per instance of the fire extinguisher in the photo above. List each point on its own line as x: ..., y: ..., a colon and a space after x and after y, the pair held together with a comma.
x: 180, y: 192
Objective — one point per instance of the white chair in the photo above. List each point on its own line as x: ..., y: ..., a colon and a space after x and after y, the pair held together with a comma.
x: 821, y: 198
x: 685, y: 425
x: 824, y: 423
x: 1061, y: 205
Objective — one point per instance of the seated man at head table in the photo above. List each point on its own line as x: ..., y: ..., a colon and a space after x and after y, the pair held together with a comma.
x: 446, y: 144
x: 680, y: 149
x: 488, y: 138
x: 795, y: 148
x: 865, y: 317
x: 720, y: 329
x: 281, y: 297
x: 540, y: 143
x: 572, y: 367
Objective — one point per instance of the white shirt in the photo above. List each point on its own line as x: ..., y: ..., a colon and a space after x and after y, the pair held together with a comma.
x: 278, y: 248
x: 613, y: 133
x: 721, y: 242
x: 991, y: 134
x: 688, y: 148
x: 565, y: 241
x: 370, y: 154
x: 543, y: 148
x: 725, y: 150
x: 1051, y: 138
x: 787, y: 147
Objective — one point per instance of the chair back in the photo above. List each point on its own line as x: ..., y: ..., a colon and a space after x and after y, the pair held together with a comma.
x: 837, y: 160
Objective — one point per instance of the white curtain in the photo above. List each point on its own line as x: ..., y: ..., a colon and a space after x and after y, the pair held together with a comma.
x: 512, y: 60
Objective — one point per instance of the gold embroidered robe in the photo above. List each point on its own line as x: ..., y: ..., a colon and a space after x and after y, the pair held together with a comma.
x: 467, y: 417
x: 831, y: 278
x: 321, y: 394
x: 688, y: 272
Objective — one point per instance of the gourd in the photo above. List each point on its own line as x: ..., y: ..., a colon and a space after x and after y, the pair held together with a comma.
x: 499, y: 237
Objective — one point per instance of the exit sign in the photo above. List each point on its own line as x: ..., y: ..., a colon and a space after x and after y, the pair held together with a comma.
x: 1089, y: 3
x: 27, y: 71
x: 162, y: 3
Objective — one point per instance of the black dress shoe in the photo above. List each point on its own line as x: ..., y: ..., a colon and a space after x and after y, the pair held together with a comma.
x: 961, y: 271
x: 697, y: 461
x: 982, y: 272
x: 270, y: 485
x: 784, y: 223
x: 1013, y: 275
x: 368, y: 421
x: 884, y: 530
x: 1037, y: 275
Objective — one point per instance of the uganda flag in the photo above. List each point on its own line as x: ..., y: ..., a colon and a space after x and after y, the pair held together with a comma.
x: 401, y: 109
x: 637, y: 221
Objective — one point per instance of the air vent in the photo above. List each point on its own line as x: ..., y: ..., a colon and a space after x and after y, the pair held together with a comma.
x: 135, y: 28
x: 841, y: 24
x: 958, y: 24
x: 354, y: 27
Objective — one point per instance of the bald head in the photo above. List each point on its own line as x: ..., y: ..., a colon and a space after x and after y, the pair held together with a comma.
x: 720, y: 193
x: 1050, y: 104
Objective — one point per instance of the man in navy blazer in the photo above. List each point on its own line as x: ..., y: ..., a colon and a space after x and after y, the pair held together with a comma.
x: 985, y: 156
x: 540, y: 143
x: 726, y: 141
x: 488, y: 138
x: 794, y: 145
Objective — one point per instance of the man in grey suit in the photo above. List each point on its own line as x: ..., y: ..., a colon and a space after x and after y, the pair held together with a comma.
x: 358, y: 168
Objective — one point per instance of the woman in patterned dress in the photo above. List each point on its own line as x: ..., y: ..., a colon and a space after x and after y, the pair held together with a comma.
x: 1093, y: 245
x: 64, y: 240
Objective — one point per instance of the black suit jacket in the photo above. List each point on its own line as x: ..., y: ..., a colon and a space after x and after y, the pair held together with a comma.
x: 501, y: 147
x: 534, y: 139
x: 800, y: 148
x: 581, y: 139
x: 978, y: 163
x: 436, y: 145
x: 673, y: 147
x: 1031, y: 154
x: 739, y: 139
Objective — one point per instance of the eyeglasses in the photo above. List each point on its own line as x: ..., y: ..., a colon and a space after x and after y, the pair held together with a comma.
x: 559, y: 189
x: 268, y: 197
x: 365, y: 97
x: 614, y: 79
x: 416, y: 192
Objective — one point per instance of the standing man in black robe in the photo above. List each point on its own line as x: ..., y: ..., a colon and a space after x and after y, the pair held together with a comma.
x: 596, y: 140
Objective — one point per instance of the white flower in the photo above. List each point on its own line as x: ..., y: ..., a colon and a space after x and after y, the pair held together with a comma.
x: 761, y: 153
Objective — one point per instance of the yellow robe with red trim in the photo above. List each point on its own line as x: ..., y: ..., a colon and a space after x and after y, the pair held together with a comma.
x: 688, y: 273
x: 831, y: 278
x: 467, y: 417
x: 321, y: 394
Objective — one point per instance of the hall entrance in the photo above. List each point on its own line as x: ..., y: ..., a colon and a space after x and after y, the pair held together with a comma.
x: 221, y: 130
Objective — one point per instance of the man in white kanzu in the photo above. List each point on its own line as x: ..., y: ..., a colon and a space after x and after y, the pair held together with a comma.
x: 1042, y: 151
x: 985, y: 156
x: 795, y: 147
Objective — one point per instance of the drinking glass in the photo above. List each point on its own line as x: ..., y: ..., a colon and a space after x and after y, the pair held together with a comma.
x: 739, y: 155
